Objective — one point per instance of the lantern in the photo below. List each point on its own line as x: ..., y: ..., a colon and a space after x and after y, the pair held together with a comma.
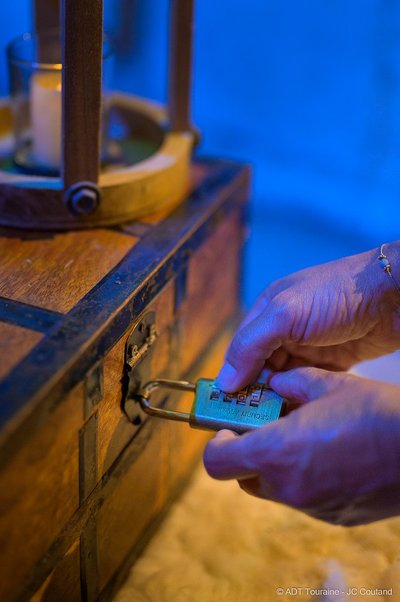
x: 66, y: 168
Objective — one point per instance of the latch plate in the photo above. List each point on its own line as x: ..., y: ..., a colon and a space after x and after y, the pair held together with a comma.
x: 137, y: 364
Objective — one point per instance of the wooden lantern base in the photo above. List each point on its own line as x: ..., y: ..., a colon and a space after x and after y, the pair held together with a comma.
x: 148, y: 172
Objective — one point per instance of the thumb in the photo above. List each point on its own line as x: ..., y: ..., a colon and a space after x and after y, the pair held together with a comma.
x: 306, y: 384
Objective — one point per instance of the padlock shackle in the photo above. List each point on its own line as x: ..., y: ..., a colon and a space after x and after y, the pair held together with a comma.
x: 163, y: 383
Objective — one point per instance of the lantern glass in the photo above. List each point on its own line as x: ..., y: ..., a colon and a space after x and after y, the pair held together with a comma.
x: 35, y: 71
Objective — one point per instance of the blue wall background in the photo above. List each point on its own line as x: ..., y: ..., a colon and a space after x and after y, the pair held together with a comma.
x: 308, y: 92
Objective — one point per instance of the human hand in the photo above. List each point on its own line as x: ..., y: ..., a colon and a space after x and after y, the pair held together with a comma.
x: 336, y: 458
x: 330, y: 316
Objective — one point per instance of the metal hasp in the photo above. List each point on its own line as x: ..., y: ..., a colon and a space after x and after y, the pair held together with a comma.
x: 213, y: 409
x: 137, y: 363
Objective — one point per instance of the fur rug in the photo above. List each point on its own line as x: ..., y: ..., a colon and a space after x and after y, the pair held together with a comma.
x: 220, y: 545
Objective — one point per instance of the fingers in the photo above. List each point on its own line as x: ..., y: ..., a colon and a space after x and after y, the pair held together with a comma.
x: 306, y: 384
x: 258, y: 307
x: 257, y: 487
x: 340, y: 442
x: 229, y: 456
x: 250, y: 347
x: 330, y: 357
x: 226, y: 456
x: 250, y: 485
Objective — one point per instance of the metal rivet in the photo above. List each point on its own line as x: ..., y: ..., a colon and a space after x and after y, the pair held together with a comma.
x: 82, y: 199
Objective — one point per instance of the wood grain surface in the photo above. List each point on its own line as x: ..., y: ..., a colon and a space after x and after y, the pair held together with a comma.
x: 114, y: 429
x: 39, y: 492
x: 15, y: 344
x: 63, y: 584
x: 186, y: 444
x: 138, y: 496
x: 156, y: 474
x: 212, y: 288
x: 56, y: 271
x: 186, y: 269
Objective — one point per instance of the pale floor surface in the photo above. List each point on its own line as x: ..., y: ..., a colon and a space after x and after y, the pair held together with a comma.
x: 220, y: 545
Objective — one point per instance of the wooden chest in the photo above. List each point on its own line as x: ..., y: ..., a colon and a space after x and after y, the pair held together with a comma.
x: 82, y: 487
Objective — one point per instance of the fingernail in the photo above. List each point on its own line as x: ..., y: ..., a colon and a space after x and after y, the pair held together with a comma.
x: 224, y: 434
x: 265, y: 376
x: 226, y: 378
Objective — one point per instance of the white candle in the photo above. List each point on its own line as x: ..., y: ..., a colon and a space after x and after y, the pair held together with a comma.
x: 45, y: 90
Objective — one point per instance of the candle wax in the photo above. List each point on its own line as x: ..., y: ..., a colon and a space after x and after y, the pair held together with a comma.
x: 45, y: 89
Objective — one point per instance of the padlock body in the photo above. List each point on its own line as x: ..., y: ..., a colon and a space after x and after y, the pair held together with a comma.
x: 240, y: 412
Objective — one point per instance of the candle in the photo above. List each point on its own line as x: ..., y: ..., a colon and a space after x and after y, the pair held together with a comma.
x: 45, y: 96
